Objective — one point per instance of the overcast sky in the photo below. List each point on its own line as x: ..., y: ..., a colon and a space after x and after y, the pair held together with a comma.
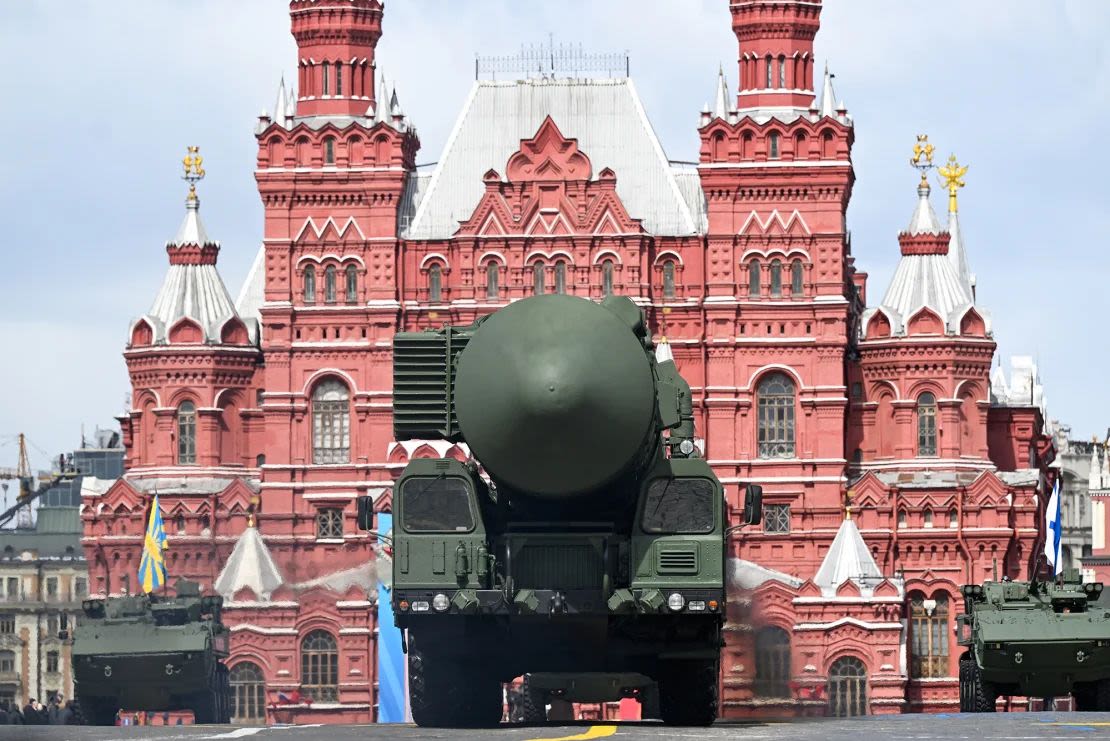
x: 100, y: 99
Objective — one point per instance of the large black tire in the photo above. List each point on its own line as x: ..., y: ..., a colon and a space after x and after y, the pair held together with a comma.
x: 1102, y: 696
x: 205, y: 707
x: 1085, y: 696
x: 688, y: 692
x: 97, y: 711
x: 224, y: 693
x: 449, y: 693
x: 976, y: 694
x: 534, y: 702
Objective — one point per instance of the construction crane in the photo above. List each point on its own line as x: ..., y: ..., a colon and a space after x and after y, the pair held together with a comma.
x: 28, y: 493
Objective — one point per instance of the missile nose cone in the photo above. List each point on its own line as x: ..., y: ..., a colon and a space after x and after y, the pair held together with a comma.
x: 555, y: 395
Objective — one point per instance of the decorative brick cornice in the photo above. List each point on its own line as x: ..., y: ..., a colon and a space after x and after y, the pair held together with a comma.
x: 192, y: 254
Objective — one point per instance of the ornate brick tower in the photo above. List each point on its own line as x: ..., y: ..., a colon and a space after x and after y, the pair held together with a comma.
x: 777, y: 176
x: 331, y: 172
x: 192, y: 363
x: 336, y: 40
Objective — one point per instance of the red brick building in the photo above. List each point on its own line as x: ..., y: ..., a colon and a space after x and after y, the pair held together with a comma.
x: 281, y: 401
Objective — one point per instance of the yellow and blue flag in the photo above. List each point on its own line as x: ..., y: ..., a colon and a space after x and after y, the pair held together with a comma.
x: 152, y: 568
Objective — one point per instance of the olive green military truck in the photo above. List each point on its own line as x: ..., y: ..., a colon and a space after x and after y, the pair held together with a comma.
x: 586, y: 549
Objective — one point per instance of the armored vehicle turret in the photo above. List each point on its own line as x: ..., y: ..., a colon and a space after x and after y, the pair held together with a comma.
x: 152, y: 652
x: 583, y: 547
x: 1036, y: 639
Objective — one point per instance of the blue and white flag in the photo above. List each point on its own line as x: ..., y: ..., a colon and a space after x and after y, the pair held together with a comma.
x: 152, y: 567
x: 1052, y: 530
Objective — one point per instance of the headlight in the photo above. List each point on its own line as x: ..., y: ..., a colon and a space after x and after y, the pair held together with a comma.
x: 440, y: 602
x: 686, y: 447
x: 697, y: 605
x: 420, y: 605
x: 676, y: 601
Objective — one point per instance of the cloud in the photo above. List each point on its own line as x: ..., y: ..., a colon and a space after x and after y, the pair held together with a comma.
x: 95, y: 128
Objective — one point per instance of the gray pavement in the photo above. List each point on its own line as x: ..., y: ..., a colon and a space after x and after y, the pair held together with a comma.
x: 898, y: 727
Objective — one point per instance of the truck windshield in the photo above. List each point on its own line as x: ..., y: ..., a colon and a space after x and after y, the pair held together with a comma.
x: 435, y: 505
x: 683, y: 506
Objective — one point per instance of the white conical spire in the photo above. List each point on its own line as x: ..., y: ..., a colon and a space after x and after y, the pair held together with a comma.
x: 1094, y: 476
x: 395, y: 106
x: 281, y: 107
x: 291, y: 105
x: 957, y: 254
x: 721, y: 103
x: 663, y: 351
x: 924, y: 219
x: 828, y: 95
x: 848, y: 558
x: 381, y: 105
x: 250, y: 565
x: 1105, y: 467
x: 191, y: 231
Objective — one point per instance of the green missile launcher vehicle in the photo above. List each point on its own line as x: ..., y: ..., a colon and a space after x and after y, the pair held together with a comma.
x: 1036, y: 639
x: 587, y: 553
x: 152, y: 652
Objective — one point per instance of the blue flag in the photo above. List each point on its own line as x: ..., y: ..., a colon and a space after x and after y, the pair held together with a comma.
x: 152, y: 568
x: 1052, y: 530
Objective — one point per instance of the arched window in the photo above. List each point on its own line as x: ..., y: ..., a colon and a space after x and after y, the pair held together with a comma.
x: 607, y: 278
x: 329, y: 150
x: 797, y: 276
x: 187, y: 433
x: 331, y: 431
x: 320, y: 666
x: 927, y: 517
x: 754, y: 271
x: 352, y: 284
x: 435, y: 283
x: 770, y: 63
x: 493, y: 273
x: 926, y: 424
x: 329, y: 284
x: 720, y: 151
x: 326, y: 72
x: 179, y: 524
x: 339, y: 78
x: 929, y: 635
x: 668, y: 279
x: 538, y: 272
x: 901, y: 519
x: 772, y: 663
x: 773, y: 145
x: 776, y: 416
x: 310, y: 285
x: 954, y: 517
x: 560, y: 277
x: 847, y: 688
x: 248, y: 693
x: 776, y: 278
x: 304, y: 152
x: 782, y: 71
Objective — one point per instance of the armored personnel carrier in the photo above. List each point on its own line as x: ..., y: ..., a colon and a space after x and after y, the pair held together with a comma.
x: 152, y: 652
x: 1037, y: 639
x: 587, y: 552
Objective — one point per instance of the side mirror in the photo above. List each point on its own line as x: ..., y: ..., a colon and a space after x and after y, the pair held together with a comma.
x: 753, y: 504
x: 365, y: 513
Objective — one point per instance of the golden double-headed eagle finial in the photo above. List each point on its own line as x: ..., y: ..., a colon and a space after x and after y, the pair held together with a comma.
x: 194, y: 170
x: 951, y: 175
x: 923, y: 156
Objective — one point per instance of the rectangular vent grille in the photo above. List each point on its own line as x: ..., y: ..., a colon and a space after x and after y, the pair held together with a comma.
x: 557, y: 567
x: 423, y: 383
x: 677, y: 561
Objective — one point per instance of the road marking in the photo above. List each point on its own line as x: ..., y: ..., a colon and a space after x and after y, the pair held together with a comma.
x: 238, y: 733
x: 593, y: 732
x: 1076, y: 723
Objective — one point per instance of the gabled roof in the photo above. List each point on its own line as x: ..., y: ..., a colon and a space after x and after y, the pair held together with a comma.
x: 250, y: 566
x: 605, y: 116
